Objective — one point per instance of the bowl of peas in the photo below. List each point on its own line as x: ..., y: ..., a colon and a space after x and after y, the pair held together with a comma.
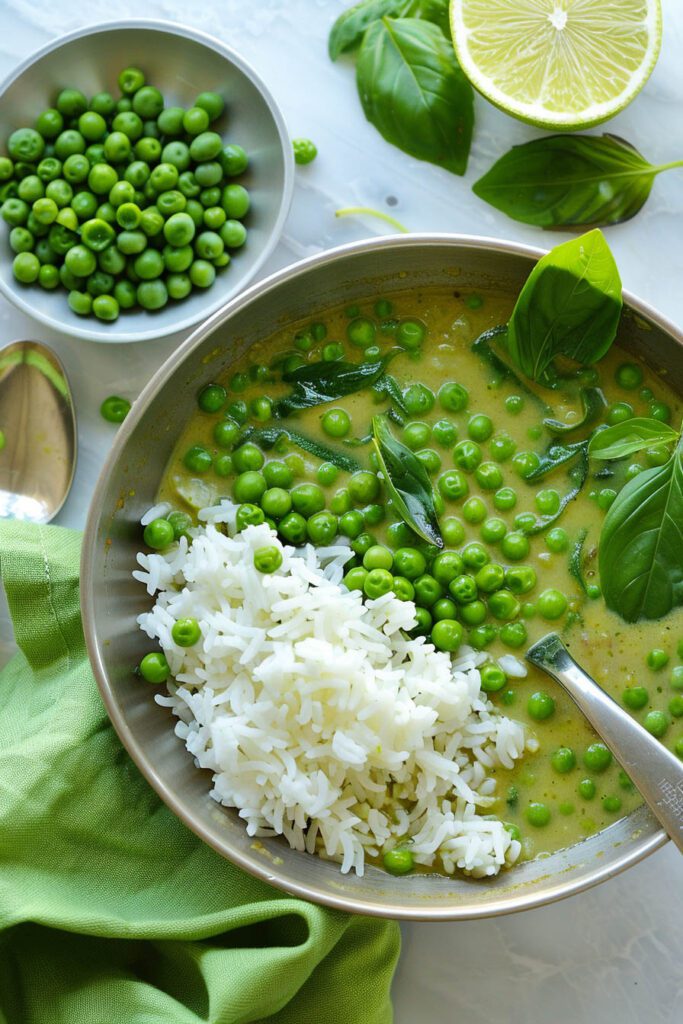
x: 145, y: 176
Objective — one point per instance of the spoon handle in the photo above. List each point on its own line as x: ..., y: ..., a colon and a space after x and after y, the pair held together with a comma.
x: 656, y: 772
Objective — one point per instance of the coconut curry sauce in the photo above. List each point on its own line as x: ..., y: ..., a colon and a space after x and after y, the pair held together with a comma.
x: 570, y: 788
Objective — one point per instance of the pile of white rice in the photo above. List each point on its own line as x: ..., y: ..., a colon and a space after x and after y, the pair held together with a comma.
x: 319, y: 718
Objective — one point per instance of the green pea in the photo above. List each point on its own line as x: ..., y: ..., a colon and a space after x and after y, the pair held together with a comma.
x: 79, y: 302
x: 355, y: 578
x: 336, y: 423
x: 430, y: 460
x: 492, y: 678
x: 378, y: 557
x: 514, y: 546
x: 493, y: 530
x: 525, y: 463
x: 660, y: 411
x: 597, y: 757
x: 158, y: 534
x: 409, y: 562
x: 677, y: 676
x: 675, y: 707
x: 619, y: 412
x: 398, y: 861
x: 418, y: 399
x: 656, y: 723
x: 363, y: 487
x: 416, y: 435
x: 276, y: 502
x: 548, y: 501
x: 473, y: 613
x: 249, y: 514
x: 502, y: 447
x: 537, y: 814
x: 48, y: 277
x: 635, y: 697
x: 474, y: 510
x: 444, y: 608
x: 446, y: 566
x: 504, y: 499
x: 513, y: 634
x: 447, y: 635
x: 292, y: 528
x: 463, y: 589
x: 467, y: 455
x: 474, y: 555
x: 351, y: 524
x: 249, y: 486
x: 557, y: 540
x: 514, y: 404
x: 21, y: 240
x: 154, y: 668
x: 453, y: 397
x: 377, y: 583
x: 361, y: 332
x: 678, y: 747
x: 657, y: 659
x: 223, y: 465
x: 480, y: 427
x: 452, y: 531
x: 267, y: 559
x: 540, y: 706
x: 26, y: 267
x: 452, y: 485
x: 628, y: 376
x: 563, y: 760
x: 427, y: 590
x: 552, y: 604
x: 327, y: 473
x: 308, y: 499
x: 488, y: 476
x: 611, y: 804
x: 586, y: 789
x: 186, y: 632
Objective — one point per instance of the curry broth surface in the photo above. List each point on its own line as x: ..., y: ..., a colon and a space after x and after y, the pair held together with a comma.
x: 612, y: 651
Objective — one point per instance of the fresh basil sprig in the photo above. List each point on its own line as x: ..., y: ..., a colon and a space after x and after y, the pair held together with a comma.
x: 413, y: 91
x: 348, y: 30
x: 317, y: 383
x: 631, y: 436
x: 641, y: 544
x: 570, y: 181
x: 407, y: 483
x: 569, y: 306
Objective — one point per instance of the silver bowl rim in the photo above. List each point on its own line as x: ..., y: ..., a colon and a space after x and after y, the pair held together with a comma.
x: 211, y: 42
x: 641, y: 847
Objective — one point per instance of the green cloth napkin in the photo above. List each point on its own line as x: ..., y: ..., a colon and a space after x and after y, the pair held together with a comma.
x: 111, y: 911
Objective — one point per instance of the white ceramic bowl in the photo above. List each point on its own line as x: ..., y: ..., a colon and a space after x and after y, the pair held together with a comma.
x: 181, y: 63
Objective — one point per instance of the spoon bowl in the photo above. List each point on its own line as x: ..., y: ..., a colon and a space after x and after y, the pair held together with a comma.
x: 37, y: 433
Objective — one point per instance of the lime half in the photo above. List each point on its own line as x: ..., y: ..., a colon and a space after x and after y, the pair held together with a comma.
x: 558, y: 63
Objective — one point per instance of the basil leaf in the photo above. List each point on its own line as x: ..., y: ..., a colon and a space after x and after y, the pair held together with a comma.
x: 483, y: 347
x: 317, y: 383
x: 641, y: 544
x: 632, y: 436
x: 349, y: 28
x: 569, y: 181
x: 576, y: 559
x: 412, y: 89
x: 593, y: 402
x: 577, y: 478
x: 557, y: 455
x: 407, y: 483
x: 570, y: 305
x: 268, y: 437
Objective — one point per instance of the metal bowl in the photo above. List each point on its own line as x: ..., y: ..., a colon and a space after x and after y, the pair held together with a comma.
x: 181, y: 62
x: 111, y: 600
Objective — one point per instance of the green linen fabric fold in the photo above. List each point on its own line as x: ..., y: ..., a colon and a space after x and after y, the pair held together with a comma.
x: 111, y: 911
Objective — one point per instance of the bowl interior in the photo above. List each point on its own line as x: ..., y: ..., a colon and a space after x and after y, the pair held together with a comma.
x: 181, y: 63
x: 111, y: 599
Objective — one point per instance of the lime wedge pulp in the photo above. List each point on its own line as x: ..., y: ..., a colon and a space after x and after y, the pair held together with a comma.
x: 561, y: 64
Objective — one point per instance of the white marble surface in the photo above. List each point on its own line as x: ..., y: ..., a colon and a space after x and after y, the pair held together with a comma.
x: 612, y: 955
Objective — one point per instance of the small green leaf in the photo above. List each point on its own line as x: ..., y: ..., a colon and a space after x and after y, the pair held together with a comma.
x: 569, y: 181
x: 267, y: 438
x: 407, y: 483
x: 557, y: 455
x: 349, y: 28
x: 593, y: 403
x: 484, y: 346
x: 641, y: 544
x: 412, y: 89
x: 576, y: 559
x: 317, y: 383
x: 570, y: 306
x: 577, y: 477
x: 632, y: 436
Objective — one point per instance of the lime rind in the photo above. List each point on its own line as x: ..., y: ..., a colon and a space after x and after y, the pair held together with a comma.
x: 559, y: 64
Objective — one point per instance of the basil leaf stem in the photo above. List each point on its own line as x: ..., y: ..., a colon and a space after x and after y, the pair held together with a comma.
x: 407, y: 483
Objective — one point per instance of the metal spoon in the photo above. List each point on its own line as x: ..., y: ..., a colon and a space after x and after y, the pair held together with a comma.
x: 656, y: 772
x: 37, y: 433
